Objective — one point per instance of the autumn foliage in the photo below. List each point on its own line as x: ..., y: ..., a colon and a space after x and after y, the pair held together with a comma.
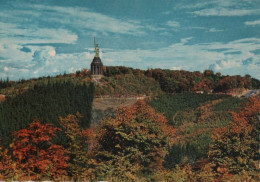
x: 2, y: 98
x: 233, y: 154
x: 133, y: 144
x: 235, y: 147
x: 7, y: 166
x: 174, y: 81
x: 80, y: 141
x: 35, y: 156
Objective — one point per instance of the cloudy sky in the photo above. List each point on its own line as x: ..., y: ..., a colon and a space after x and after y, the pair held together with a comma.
x: 48, y: 37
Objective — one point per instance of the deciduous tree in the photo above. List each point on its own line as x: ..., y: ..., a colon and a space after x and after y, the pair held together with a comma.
x: 132, y: 144
x: 235, y: 147
x: 79, y: 142
x: 36, y: 155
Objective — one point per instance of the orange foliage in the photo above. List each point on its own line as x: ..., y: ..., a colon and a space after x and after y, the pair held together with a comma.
x: 142, y: 109
x: 243, y: 121
x: 80, y: 142
x: 134, y: 141
x: 89, y: 136
x: 84, y: 72
x: 2, y: 98
x: 34, y: 153
x: 7, y: 166
x: 73, y: 75
x: 235, y: 146
x: 228, y: 83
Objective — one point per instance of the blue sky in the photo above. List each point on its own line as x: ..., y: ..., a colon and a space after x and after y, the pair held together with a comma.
x: 48, y: 37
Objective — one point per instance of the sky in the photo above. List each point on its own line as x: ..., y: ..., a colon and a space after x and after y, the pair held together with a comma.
x: 49, y: 37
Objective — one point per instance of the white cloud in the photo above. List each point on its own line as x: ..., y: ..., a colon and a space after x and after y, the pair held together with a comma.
x: 14, y: 56
x: 252, y: 23
x: 18, y: 13
x: 166, y: 12
x: 13, y: 33
x: 153, y: 28
x: 44, y: 60
x: 193, y: 5
x: 83, y: 17
x: 185, y: 40
x: 52, y: 52
x: 214, y: 30
x: 178, y: 68
x: 243, y: 62
x: 173, y: 24
x: 200, y: 4
x: 220, y: 11
x: 236, y: 68
x: 41, y: 61
x: 44, y: 54
x: 226, y: 64
x: 60, y: 63
x: 221, y: 7
x: 217, y: 56
x: 72, y: 69
x: 1, y: 47
x: 6, y: 68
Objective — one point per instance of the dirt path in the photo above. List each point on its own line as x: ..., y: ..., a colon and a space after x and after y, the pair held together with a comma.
x: 106, y: 106
x: 104, y: 103
x: 205, y: 112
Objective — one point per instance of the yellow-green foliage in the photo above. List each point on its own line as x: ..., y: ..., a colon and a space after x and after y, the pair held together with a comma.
x: 132, y: 145
x: 128, y: 85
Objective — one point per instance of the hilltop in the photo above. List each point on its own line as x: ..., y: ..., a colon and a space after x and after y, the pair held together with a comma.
x: 120, y: 86
x: 123, y: 86
x: 124, y: 81
x: 191, y: 106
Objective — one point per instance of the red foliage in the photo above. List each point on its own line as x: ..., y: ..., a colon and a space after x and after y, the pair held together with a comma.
x: 141, y: 109
x: 243, y: 121
x: 73, y: 75
x: 235, y: 146
x: 7, y: 166
x: 89, y: 136
x: 35, y: 154
x: 231, y: 82
x: 2, y: 98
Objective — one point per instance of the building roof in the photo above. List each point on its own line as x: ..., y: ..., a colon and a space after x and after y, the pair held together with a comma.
x: 97, y: 60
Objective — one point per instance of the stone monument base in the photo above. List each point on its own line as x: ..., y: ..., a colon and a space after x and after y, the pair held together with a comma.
x: 96, y: 79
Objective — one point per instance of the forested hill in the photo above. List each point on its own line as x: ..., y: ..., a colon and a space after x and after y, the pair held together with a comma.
x: 119, y: 80
x: 173, y: 131
x: 46, y: 102
x: 47, y: 98
x: 123, y: 80
x: 195, y: 116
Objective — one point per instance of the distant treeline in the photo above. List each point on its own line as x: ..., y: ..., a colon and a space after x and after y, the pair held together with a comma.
x: 5, y: 83
x: 185, y: 81
x: 179, y: 81
x: 120, y: 80
x: 46, y: 102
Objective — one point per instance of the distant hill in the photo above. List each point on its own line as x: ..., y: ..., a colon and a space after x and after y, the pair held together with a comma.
x: 48, y: 97
x: 125, y: 81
